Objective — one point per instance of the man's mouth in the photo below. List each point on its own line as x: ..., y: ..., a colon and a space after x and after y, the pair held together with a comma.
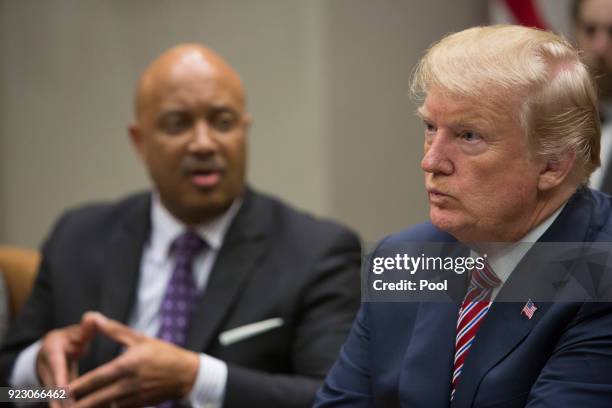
x: 436, y: 195
x: 206, y: 178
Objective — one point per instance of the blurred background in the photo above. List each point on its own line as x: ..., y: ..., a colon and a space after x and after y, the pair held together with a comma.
x: 334, y: 128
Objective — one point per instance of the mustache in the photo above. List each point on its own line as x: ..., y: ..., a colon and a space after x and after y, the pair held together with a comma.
x: 201, y: 164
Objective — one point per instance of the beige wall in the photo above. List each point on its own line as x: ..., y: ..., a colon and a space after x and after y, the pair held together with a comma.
x: 375, y: 136
x: 334, y: 129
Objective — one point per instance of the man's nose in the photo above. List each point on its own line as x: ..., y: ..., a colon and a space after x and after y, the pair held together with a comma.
x: 203, y: 140
x: 436, y: 159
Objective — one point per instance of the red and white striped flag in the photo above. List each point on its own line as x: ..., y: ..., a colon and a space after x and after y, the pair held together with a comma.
x: 551, y: 15
x: 529, y: 309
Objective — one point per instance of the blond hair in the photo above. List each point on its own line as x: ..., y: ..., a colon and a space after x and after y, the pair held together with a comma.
x: 538, y: 71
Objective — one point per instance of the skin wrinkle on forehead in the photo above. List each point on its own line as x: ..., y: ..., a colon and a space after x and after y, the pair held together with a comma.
x: 191, y: 58
x: 481, y: 117
x: 467, y: 177
x: 599, y: 11
x: 461, y: 120
x: 485, y: 112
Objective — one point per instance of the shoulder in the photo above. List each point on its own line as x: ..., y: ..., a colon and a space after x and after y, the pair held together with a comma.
x: 101, y: 217
x: 284, y: 220
x: 600, y: 216
x: 419, y: 233
x: 302, y: 253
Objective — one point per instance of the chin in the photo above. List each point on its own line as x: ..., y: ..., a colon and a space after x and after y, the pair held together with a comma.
x: 445, y: 221
x: 462, y: 230
x: 209, y: 205
x: 195, y: 210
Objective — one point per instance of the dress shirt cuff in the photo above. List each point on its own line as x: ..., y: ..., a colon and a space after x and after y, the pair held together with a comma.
x: 24, y: 371
x: 209, y: 388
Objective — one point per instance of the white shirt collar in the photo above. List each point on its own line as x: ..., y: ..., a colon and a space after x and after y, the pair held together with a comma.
x: 165, y: 228
x: 506, y: 258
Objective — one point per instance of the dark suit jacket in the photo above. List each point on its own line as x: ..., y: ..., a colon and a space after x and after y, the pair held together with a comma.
x: 274, y: 262
x: 401, y: 354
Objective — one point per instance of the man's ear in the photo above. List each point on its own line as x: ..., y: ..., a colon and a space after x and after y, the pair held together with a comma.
x: 556, y: 170
x: 248, y: 121
x: 136, y: 137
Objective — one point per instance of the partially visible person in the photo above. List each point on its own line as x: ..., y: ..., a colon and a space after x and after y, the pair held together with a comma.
x: 205, y: 292
x: 511, y: 136
x: 593, y: 31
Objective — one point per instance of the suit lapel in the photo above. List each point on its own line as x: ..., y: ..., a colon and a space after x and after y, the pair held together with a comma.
x: 502, y: 330
x: 122, y: 257
x: 505, y: 326
x: 606, y: 184
x: 425, y: 379
x: 427, y: 368
x: 239, y: 254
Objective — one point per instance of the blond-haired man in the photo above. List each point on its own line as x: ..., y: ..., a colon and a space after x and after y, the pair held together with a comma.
x: 511, y: 136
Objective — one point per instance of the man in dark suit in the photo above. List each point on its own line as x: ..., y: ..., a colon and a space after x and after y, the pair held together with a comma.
x: 204, y: 291
x: 511, y: 136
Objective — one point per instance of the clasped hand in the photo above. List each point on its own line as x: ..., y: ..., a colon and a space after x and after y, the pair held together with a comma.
x: 149, y: 371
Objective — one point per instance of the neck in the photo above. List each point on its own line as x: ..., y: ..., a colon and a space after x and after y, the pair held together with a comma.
x: 513, y: 231
x: 547, y: 203
x: 195, y: 217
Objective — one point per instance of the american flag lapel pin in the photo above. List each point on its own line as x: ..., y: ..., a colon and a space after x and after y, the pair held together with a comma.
x: 529, y: 309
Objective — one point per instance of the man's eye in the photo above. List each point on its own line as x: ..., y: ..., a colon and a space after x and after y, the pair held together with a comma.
x: 590, y: 30
x: 224, y: 122
x: 430, y: 132
x: 175, y: 124
x: 470, y: 136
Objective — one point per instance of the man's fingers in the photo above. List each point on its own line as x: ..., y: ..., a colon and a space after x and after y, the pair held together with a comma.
x: 96, y: 379
x: 45, y: 376
x: 58, y: 365
x: 73, y: 370
x: 55, y: 404
x: 106, y: 396
x: 111, y: 328
x: 88, y: 326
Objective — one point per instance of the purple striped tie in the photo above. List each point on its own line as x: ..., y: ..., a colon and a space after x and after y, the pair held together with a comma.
x: 181, y: 292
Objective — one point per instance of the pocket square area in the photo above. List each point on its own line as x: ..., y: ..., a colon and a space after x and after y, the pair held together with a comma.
x: 240, y: 333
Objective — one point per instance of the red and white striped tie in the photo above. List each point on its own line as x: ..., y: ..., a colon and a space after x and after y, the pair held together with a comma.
x: 473, y: 310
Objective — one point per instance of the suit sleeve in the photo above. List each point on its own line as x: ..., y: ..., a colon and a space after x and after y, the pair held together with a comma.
x: 35, y: 318
x: 329, y: 301
x: 348, y: 382
x: 579, y: 373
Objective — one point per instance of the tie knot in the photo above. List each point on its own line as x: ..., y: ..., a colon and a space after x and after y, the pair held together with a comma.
x: 485, y: 278
x: 188, y: 244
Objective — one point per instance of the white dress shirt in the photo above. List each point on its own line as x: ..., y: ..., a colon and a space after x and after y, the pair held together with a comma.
x: 155, y: 271
x: 507, y: 257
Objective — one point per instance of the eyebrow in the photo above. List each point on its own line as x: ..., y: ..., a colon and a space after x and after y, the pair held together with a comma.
x: 213, y: 108
x: 466, y: 120
x: 170, y: 113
